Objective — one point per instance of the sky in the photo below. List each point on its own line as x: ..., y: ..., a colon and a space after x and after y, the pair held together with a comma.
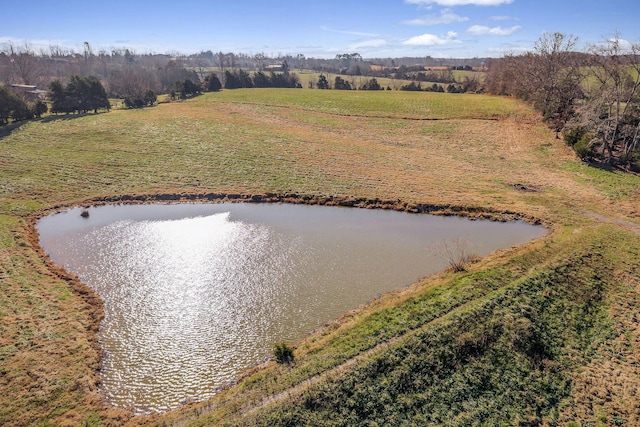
x: 315, y: 28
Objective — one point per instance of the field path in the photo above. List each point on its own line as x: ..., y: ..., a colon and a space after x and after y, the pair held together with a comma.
x: 619, y: 222
x: 335, y: 372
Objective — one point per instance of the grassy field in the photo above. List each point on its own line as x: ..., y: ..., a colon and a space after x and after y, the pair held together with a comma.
x: 544, y: 334
x: 356, y: 82
x: 309, y: 76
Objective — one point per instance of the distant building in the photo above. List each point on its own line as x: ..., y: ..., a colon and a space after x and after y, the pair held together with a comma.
x: 30, y: 92
x: 274, y: 67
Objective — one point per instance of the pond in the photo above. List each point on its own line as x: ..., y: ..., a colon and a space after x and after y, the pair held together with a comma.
x: 195, y: 293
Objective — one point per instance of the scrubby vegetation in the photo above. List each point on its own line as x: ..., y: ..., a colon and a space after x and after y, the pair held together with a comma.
x: 596, y: 92
x: 283, y: 353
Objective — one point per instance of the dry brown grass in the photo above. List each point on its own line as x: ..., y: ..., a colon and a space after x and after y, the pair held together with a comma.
x: 271, y: 145
x: 607, y: 390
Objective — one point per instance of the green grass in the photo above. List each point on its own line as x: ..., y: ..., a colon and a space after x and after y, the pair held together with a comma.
x: 507, y: 365
x: 617, y: 185
x: 544, y: 333
x: 356, y: 82
x: 485, y: 347
x: 384, y: 103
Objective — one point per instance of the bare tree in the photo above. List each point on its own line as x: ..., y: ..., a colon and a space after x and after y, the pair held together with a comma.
x: 200, y: 65
x: 25, y: 64
x: 221, y: 61
x: 612, y: 112
x: 556, y: 77
x: 260, y: 60
x: 550, y: 77
x: 5, y: 69
x: 133, y: 82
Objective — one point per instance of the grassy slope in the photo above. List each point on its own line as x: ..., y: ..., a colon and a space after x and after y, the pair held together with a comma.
x: 555, y: 317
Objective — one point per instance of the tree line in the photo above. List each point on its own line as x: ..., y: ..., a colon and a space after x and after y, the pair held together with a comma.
x: 124, y: 72
x: 343, y: 84
x: 238, y: 78
x: 16, y: 108
x: 592, y: 98
x: 80, y: 95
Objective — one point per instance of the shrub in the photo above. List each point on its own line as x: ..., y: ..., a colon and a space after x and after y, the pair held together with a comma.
x: 456, y: 254
x: 583, y: 147
x: 283, y: 353
x: 573, y: 134
x: 627, y: 158
x: 412, y: 87
x: 371, y: 84
x: 40, y: 108
x: 341, y: 84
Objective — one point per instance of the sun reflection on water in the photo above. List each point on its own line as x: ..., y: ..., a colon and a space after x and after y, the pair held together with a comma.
x: 184, y: 295
x: 190, y: 301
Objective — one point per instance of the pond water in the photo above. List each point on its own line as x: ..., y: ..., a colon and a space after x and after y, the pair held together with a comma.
x: 195, y: 293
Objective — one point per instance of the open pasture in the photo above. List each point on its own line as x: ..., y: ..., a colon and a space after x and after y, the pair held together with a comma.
x: 555, y: 317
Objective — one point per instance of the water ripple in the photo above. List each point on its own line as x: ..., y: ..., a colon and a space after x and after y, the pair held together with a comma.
x: 190, y: 301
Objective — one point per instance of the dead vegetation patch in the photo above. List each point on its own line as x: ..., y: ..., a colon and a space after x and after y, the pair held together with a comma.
x: 526, y: 188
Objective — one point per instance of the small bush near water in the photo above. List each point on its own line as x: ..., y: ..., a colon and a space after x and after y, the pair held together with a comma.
x: 456, y: 254
x: 283, y: 353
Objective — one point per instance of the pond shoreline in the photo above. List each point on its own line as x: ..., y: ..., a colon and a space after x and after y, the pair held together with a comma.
x: 95, y: 303
x: 471, y: 212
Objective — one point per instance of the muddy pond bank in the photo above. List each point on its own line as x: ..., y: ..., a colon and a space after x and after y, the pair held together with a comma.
x: 255, y: 236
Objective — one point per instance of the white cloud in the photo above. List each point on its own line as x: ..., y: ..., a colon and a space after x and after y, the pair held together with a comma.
x: 503, y: 18
x: 625, y: 45
x: 432, y: 40
x: 368, y: 44
x: 446, y: 17
x: 449, y: 3
x: 351, y: 33
x: 508, y: 50
x: 481, y: 30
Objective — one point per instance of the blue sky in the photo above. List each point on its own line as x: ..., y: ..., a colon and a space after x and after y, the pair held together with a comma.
x: 316, y: 28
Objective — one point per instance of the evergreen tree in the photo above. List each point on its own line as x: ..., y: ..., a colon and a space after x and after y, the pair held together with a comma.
x: 245, y: 79
x: 97, y: 95
x: 231, y: 80
x: 177, y: 90
x: 78, y: 93
x: 40, y: 108
x: 81, y: 94
x: 21, y: 111
x: 213, y: 83
x: 323, y: 83
x: 260, y: 79
x: 150, y: 97
x: 58, y: 97
x: 190, y: 88
x: 371, y: 85
x: 341, y: 84
x: 11, y: 106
